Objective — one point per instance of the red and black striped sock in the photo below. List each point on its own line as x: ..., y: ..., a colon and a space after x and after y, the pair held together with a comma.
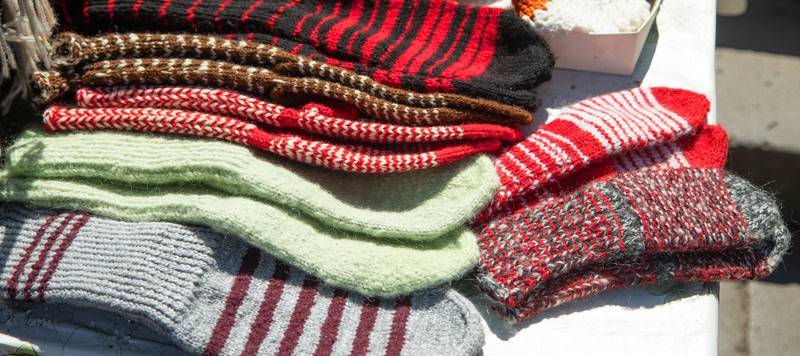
x: 431, y: 46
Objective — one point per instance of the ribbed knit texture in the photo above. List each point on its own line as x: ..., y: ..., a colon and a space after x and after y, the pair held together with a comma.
x: 594, y: 129
x: 421, y: 205
x: 435, y: 46
x: 637, y: 228
x: 320, y: 117
x: 373, y: 267
x: 215, y: 295
x: 313, y: 150
x: 71, y: 52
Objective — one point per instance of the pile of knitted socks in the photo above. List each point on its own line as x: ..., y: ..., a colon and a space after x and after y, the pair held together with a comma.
x: 358, y: 158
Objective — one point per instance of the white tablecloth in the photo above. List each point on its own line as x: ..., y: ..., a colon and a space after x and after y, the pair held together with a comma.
x: 678, y: 319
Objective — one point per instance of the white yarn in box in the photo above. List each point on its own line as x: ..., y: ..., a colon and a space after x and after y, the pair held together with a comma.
x: 614, y: 53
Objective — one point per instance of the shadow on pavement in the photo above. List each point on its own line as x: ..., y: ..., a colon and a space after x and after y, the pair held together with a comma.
x: 767, y: 26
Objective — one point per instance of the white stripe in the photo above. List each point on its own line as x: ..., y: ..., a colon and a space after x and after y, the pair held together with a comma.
x: 379, y: 337
x: 243, y: 325
x: 566, y: 141
x: 283, y: 311
x: 590, y: 129
x: 319, y: 312
x: 348, y: 325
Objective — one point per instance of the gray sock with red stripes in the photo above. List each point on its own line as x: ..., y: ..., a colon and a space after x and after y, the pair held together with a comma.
x: 215, y: 295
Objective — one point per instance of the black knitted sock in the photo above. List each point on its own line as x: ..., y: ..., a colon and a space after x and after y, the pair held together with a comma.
x: 430, y: 46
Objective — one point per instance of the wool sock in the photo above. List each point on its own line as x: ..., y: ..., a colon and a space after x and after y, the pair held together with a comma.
x: 419, y: 205
x: 708, y: 148
x: 637, y: 228
x: 214, y: 295
x: 591, y: 130
x: 326, y: 118
x: 72, y: 51
x: 434, y: 46
x: 256, y: 80
x: 295, y: 146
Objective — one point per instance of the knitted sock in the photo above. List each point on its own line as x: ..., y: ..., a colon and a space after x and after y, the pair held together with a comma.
x: 215, y: 295
x: 324, y: 118
x: 370, y: 266
x: 256, y: 80
x: 73, y: 51
x: 434, y: 46
x: 419, y: 205
x: 594, y: 129
x: 299, y: 147
x: 708, y: 148
x: 636, y: 228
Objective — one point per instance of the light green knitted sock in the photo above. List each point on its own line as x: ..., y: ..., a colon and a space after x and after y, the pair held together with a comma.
x: 374, y: 267
x: 419, y: 205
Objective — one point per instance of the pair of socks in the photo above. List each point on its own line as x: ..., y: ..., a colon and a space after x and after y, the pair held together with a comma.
x: 71, y: 52
x: 213, y: 295
x: 433, y: 46
x: 313, y: 150
x: 420, y: 205
x: 324, y: 118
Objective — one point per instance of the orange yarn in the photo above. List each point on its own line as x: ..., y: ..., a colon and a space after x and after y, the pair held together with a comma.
x: 527, y: 7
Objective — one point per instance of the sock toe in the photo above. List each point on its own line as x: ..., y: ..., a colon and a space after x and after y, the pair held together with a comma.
x: 762, y: 214
x: 445, y: 323
x: 691, y: 106
x: 709, y: 149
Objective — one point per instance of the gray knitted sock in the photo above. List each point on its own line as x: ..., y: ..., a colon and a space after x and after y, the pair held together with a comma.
x: 215, y: 295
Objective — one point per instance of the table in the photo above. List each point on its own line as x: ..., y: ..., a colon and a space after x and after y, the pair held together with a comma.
x: 677, y: 319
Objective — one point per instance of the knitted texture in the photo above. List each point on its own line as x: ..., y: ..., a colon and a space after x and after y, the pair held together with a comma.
x: 594, y: 129
x: 420, y: 205
x: 295, y: 146
x: 215, y: 295
x: 708, y: 148
x: 528, y: 7
x: 72, y: 51
x: 256, y: 80
x: 636, y: 228
x: 342, y: 258
x: 434, y: 46
x: 324, y: 118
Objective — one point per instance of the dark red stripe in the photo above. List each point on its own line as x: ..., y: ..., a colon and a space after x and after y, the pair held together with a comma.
x: 330, y: 327
x: 136, y: 7
x: 20, y: 267
x: 369, y: 313
x: 299, y: 316
x: 397, y: 337
x: 261, y: 325
x: 62, y: 248
x: 111, y: 10
x: 37, y: 266
x: 238, y: 291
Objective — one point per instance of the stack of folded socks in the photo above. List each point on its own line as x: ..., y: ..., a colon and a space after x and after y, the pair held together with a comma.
x: 358, y: 157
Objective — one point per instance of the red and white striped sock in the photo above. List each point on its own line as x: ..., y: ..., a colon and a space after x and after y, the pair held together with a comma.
x: 706, y: 149
x: 295, y: 146
x: 594, y: 129
x: 325, y: 118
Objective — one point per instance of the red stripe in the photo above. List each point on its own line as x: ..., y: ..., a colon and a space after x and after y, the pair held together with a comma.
x: 62, y: 248
x: 190, y: 13
x: 65, y: 11
x: 299, y: 28
x: 336, y: 32
x: 425, y: 32
x: 111, y: 10
x: 455, y: 41
x: 276, y: 15
x: 315, y: 32
x: 383, y: 32
x: 261, y: 325
x: 238, y: 291
x: 37, y: 266
x: 397, y: 336
x: 246, y: 14
x: 299, y: 316
x: 364, y: 29
x: 221, y: 8
x: 330, y: 327
x: 438, y: 38
x: 405, y: 31
x: 369, y: 313
x: 473, y: 44
x: 162, y: 12
x: 477, y: 65
x: 86, y: 18
x: 20, y: 267
x: 136, y: 7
